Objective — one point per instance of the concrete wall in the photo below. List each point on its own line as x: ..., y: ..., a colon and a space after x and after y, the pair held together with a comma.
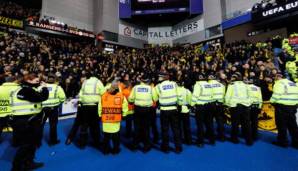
x: 212, y: 13
x: 110, y: 16
x: 131, y: 42
x: 97, y: 16
x: 77, y: 13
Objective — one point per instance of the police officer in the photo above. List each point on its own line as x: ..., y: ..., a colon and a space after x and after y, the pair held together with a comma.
x: 185, y: 101
x: 51, y: 107
x: 255, y: 95
x: 153, y: 126
x: 201, y: 99
x: 285, y: 101
x: 238, y: 100
x: 112, y: 106
x: 216, y: 106
x: 89, y: 96
x: 8, y: 87
x: 167, y: 92
x: 142, y: 96
x: 26, y: 109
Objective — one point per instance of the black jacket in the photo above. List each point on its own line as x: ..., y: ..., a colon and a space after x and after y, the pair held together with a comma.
x: 31, y: 95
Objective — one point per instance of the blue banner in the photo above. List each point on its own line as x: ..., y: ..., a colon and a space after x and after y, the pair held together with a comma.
x: 196, y: 6
x: 124, y: 9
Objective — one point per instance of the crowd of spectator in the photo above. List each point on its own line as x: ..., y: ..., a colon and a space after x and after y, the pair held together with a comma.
x: 13, y: 10
x: 70, y: 60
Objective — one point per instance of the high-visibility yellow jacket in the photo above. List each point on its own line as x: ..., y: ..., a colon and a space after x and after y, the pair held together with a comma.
x: 285, y: 92
x: 6, y: 92
x: 111, y: 108
x: 167, y: 92
x: 56, y: 96
x: 184, y: 99
x: 143, y: 95
x: 218, y: 91
x: 91, y: 91
x: 202, y: 93
x: 255, y: 95
x: 237, y: 93
x: 24, y: 107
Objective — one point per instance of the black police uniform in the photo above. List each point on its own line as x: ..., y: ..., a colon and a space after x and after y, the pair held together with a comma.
x: 27, y: 128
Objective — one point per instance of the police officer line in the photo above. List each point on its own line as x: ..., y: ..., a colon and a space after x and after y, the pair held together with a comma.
x: 69, y: 110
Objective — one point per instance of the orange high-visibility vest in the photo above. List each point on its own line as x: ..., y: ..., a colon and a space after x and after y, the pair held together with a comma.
x: 126, y: 92
x: 111, y: 107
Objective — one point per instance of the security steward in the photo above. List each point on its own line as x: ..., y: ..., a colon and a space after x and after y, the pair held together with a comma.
x: 216, y: 106
x: 51, y: 107
x: 238, y: 100
x: 201, y: 99
x: 167, y: 92
x: 142, y: 96
x: 89, y: 97
x: 185, y: 100
x: 112, y: 106
x: 285, y: 101
x: 9, y: 86
x: 27, y: 118
x: 255, y: 94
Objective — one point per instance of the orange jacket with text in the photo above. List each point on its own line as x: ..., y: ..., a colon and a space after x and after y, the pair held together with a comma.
x: 111, y: 107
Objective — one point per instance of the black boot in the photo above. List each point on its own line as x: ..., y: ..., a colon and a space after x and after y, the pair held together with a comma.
x: 165, y: 149
x: 116, y: 151
x: 283, y: 145
x: 178, y: 149
x: 34, y: 165
x: 52, y: 143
